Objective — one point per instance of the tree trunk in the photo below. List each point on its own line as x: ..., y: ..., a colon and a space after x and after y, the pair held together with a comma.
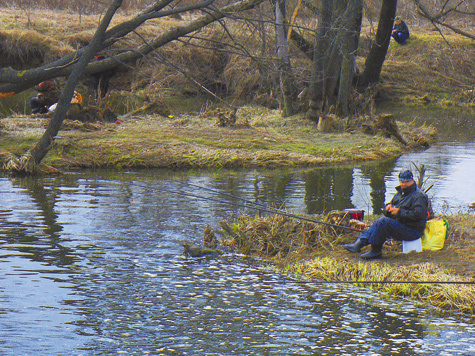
x: 304, y: 45
x: 322, y: 42
x: 336, y: 42
x: 377, y: 54
x: 288, y: 89
x: 321, y: 48
x: 350, y: 37
x: 43, y: 146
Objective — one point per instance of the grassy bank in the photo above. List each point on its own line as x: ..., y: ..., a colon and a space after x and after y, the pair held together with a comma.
x: 260, y: 137
x: 429, y: 72
x: 314, y: 251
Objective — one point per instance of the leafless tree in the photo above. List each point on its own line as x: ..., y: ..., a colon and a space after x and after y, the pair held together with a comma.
x: 333, y: 67
x: 376, y: 56
x: 288, y: 89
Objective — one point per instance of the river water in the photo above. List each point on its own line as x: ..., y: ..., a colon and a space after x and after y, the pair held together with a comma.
x: 91, y: 264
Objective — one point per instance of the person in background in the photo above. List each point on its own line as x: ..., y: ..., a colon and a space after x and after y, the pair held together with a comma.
x: 405, y: 219
x: 101, y: 80
x: 48, y: 94
x: 400, y: 30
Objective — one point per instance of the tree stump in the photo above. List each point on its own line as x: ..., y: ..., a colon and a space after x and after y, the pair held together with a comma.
x: 386, y: 125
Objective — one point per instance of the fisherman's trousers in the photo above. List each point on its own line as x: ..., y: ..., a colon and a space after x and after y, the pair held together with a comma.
x: 385, y: 228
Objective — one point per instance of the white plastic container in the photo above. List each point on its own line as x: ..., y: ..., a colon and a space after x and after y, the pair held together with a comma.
x: 414, y: 245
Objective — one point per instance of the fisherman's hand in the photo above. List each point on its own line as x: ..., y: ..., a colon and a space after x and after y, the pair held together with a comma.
x: 391, y: 209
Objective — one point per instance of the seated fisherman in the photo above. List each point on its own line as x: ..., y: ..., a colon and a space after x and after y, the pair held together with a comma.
x: 400, y: 30
x: 48, y: 94
x: 405, y: 219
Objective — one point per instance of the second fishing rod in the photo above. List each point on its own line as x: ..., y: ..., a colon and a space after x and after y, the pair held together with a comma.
x: 246, y: 204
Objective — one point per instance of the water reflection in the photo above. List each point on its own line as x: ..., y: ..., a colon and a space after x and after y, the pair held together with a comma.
x: 91, y: 264
x: 454, y: 124
x: 450, y: 168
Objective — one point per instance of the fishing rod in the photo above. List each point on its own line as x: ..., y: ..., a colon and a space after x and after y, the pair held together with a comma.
x: 306, y: 282
x: 257, y: 207
x: 293, y: 280
x: 384, y: 282
x: 246, y: 201
x: 267, y: 208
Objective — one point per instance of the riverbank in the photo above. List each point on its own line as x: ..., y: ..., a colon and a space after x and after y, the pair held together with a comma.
x: 315, y: 253
x: 259, y: 138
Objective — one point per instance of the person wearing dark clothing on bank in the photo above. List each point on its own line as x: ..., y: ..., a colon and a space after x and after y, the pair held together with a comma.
x: 101, y: 80
x: 48, y: 94
x: 405, y: 219
x: 400, y: 30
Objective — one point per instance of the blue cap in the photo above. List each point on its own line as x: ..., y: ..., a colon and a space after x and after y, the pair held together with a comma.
x: 406, y: 176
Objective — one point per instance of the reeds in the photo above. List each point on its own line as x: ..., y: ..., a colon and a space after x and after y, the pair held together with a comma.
x: 24, y: 164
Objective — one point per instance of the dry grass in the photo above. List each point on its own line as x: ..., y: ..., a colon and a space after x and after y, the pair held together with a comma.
x: 428, y: 64
x: 427, y: 67
x: 278, y: 237
x: 48, y: 34
x: 28, y: 47
x: 454, y: 296
x: 260, y: 137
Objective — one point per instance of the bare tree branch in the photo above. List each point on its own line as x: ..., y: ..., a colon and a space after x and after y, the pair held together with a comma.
x: 444, y: 11
x: 13, y: 81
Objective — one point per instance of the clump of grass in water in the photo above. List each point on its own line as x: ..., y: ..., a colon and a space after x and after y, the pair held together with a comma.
x: 278, y: 236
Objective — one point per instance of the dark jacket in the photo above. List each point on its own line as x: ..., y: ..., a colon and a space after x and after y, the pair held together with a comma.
x: 48, y: 92
x: 402, y: 27
x: 413, y: 204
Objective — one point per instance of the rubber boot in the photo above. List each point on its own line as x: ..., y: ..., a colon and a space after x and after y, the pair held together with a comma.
x: 357, y: 245
x: 374, y: 253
